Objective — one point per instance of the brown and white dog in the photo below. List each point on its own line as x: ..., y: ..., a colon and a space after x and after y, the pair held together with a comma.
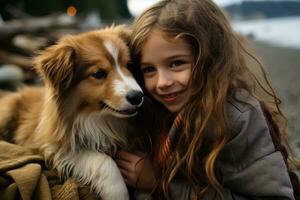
x: 77, y: 119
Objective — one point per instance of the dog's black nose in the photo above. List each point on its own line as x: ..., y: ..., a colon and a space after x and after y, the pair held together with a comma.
x: 135, y: 97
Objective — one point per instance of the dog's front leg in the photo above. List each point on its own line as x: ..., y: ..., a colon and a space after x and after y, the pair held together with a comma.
x: 102, y: 173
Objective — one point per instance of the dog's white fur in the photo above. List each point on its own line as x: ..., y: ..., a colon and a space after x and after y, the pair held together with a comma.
x: 77, y: 119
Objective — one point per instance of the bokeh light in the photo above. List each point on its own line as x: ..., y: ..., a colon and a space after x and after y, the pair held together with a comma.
x: 71, y: 11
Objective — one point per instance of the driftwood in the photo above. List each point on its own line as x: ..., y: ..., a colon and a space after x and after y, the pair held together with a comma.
x: 11, y: 58
x: 21, y: 39
x: 35, y: 25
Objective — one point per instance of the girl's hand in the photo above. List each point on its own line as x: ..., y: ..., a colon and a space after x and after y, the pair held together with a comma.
x: 136, y: 169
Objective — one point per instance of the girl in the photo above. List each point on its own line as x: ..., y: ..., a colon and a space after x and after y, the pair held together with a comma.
x: 214, y: 135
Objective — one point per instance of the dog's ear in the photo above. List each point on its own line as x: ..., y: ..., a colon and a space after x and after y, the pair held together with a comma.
x: 123, y: 32
x: 56, y: 66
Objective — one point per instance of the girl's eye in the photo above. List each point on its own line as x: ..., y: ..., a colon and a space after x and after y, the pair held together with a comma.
x: 177, y: 63
x: 147, y: 70
x: 100, y: 74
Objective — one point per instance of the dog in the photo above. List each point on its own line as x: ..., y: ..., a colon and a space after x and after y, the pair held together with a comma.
x: 77, y: 118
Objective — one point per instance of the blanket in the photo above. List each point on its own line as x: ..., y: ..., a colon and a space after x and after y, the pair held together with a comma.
x: 23, y: 175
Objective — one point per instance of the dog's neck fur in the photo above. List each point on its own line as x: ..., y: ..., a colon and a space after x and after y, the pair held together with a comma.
x: 98, y: 132
x: 70, y: 131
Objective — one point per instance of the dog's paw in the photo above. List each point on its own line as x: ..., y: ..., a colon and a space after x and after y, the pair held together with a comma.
x: 110, y: 184
x: 101, y: 171
x: 116, y: 191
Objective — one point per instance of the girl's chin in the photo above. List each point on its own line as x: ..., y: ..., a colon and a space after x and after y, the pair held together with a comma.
x: 174, y: 108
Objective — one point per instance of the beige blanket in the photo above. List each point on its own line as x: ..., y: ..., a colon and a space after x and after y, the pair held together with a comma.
x: 24, y: 176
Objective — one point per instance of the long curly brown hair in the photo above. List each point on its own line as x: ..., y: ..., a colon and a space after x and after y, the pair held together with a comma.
x: 219, y: 70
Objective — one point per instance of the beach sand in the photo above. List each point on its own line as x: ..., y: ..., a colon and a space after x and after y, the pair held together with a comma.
x: 283, y: 68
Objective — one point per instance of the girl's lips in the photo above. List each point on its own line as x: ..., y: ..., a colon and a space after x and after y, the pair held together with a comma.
x: 169, y: 97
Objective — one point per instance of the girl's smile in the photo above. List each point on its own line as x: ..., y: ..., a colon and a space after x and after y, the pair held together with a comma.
x: 171, y: 97
x: 166, y: 65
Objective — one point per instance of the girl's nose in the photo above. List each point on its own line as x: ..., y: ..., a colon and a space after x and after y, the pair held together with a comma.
x: 164, y: 80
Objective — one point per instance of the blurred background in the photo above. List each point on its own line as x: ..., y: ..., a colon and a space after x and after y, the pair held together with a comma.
x: 271, y: 26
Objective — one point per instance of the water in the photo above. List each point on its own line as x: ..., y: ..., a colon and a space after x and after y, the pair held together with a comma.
x: 284, y: 31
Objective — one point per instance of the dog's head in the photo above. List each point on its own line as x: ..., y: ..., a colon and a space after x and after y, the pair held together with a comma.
x: 90, y: 70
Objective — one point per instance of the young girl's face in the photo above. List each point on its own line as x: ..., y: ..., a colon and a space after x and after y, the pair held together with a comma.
x: 166, y: 64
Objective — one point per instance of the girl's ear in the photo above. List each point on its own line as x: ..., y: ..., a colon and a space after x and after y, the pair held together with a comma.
x: 56, y: 66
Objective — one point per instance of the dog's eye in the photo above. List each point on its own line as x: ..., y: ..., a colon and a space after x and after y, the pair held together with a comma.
x: 100, y: 74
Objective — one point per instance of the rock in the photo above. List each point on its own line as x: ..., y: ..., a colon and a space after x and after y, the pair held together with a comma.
x: 11, y: 74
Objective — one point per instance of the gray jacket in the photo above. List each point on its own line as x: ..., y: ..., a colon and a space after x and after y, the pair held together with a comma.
x: 251, y: 168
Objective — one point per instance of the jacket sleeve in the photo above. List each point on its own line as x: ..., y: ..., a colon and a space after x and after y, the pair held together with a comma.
x: 249, y: 165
